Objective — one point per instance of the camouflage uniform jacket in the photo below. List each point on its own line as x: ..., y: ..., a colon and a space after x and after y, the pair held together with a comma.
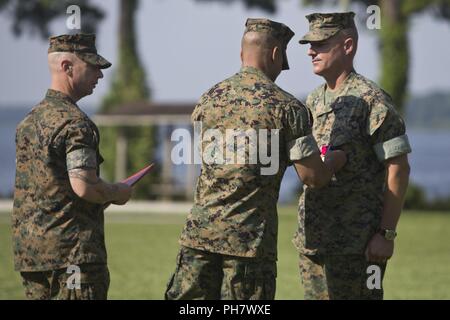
x: 361, y: 120
x: 235, y: 211
x: 52, y: 226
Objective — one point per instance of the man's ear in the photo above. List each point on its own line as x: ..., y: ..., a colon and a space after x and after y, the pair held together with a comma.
x: 67, y: 67
x: 275, y: 52
x: 349, y: 46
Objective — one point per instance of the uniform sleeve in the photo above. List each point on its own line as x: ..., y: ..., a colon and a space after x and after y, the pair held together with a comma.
x: 387, y: 132
x: 196, y: 114
x: 81, y: 145
x: 299, y: 140
x: 309, y: 102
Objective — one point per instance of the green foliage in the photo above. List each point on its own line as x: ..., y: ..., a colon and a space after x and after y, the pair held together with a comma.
x: 439, y: 204
x: 129, y: 85
x: 140, y: 152
x: 440, y: 8
x: 395, y: 59
x: 108, y: 137
x: 415, y: 198
x: 142, y: 144
x: 129, y: 81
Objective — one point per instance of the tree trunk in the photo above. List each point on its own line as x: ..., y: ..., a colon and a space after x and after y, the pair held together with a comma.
x: 129, y: 85
x: 394, y: 53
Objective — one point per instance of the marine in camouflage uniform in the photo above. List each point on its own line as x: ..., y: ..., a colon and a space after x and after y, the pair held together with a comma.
x: 52, y: 227
x: 229, y: 242
x: 337, y: 222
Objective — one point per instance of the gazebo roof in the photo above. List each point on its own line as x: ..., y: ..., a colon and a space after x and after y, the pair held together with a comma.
x: 145, y: 113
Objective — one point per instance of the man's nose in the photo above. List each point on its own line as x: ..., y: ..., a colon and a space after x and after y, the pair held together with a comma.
x: 311, y: 52
x: 100, y: 74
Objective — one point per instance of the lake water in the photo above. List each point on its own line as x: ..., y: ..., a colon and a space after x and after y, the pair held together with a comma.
x: 429, y: 161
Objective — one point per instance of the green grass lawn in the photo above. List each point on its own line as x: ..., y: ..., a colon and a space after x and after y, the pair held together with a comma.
x: 142, y: 252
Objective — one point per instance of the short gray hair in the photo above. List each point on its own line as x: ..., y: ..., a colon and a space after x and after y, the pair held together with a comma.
x: 351, y: 33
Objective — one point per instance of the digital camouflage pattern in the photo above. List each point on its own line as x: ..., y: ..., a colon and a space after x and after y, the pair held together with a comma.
x: 52, y: 227
x: 82, y: 158
x: 340, y: 218
x: 235, y: 210
x: 83, y: 45
x: 275, y: 29
x: 325, y: 25
x: 339, y: 277
x: 197, y: 272
x: 46, y: 285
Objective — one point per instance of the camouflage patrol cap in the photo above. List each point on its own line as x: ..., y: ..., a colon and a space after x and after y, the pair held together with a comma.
x: 276, y: 29
x: 83, y: 45
x: 325, y: 25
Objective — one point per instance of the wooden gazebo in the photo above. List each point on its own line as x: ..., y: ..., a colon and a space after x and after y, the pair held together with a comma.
x: 167, y: 117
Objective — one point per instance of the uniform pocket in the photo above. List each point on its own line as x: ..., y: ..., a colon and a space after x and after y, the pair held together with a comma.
x: 255, y: 280
x: 171, y: 281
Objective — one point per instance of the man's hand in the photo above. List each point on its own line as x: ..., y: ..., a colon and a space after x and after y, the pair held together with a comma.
x: 123, y: 193
x: 317, y: 173
x: 88, y: 186
x: 397, y: 169
x: 335, y: 159
x: 379, y: 249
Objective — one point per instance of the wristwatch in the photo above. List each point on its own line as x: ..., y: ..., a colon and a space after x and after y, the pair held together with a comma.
x: 388, y: 234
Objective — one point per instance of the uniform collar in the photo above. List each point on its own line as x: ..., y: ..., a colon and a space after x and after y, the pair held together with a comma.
x: 344, y: 85
x: 54, y: 94
x: 342, y: 91
x: 255, y: 71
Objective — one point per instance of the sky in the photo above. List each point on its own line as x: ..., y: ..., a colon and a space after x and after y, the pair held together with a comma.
x: 187, y: 46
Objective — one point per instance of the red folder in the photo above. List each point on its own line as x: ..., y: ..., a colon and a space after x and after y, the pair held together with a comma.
x: 132, y: 180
